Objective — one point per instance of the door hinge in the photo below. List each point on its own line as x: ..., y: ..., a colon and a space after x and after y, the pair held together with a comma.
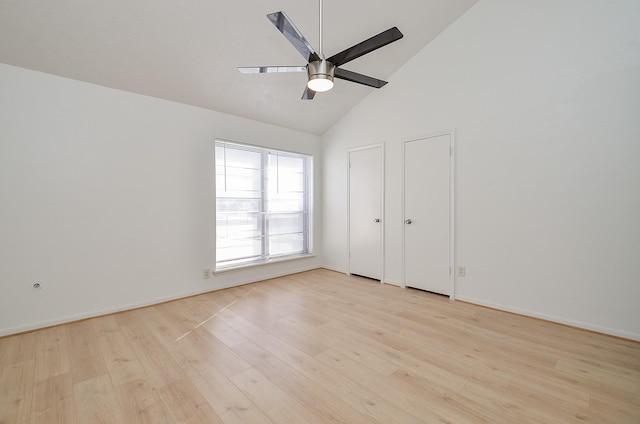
x: 449, y: 270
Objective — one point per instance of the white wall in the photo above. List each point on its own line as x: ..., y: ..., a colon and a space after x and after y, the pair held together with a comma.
x: 106, y: 198
x: 545, y: 100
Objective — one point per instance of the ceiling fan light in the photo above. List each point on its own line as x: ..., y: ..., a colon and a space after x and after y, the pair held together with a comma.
x: 320, y: 83
x: 320, y: 76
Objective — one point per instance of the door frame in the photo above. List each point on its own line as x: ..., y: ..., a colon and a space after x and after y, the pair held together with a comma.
x: 380, y: 146
x: 452, y: 250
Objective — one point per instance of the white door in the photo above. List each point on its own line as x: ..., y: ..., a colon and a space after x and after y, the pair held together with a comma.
x: 427, y: 228
x: 365, y: 212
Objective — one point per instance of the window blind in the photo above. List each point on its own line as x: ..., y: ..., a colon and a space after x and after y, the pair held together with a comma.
x: 262, y: 204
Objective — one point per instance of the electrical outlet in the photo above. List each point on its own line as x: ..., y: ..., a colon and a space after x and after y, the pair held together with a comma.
x: 461, y: 271
x: 206, y: 273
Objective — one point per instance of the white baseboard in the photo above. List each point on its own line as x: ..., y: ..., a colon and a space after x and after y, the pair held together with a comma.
x: 330, y: 268
x: 93, y: 314
x: 71, y: 318
x: 343, y: 271
x: 552, y: 318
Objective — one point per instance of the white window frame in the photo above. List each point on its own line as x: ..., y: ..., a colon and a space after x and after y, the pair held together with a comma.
x: 307, y: 211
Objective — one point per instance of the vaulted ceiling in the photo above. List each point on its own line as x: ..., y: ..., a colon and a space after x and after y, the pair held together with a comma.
x: 188, y: 51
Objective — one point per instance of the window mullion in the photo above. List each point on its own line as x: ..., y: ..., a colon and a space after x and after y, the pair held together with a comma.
x: 265, y: 205
x: 305, y: 207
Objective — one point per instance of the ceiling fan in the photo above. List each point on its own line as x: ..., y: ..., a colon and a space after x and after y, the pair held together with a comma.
x: 321, y: 71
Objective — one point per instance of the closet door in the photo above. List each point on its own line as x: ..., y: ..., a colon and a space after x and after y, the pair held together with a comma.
x: 365, y: 211
x: 427, y: 228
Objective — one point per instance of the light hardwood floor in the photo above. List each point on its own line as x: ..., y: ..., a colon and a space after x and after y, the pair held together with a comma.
x: 317, y: 347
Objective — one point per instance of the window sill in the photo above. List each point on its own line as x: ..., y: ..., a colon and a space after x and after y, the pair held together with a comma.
x: 271, y: 261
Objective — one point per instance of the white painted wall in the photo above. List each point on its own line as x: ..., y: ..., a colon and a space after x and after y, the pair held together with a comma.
x: 106, y: 198
x: 545, y: 99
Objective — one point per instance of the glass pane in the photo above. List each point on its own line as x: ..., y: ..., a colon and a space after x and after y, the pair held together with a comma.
x: 288, y: 244
x: 236, y: 156
x: 286, y: 162
x: 285, y: 174
x: 237, y: 170
x: 238, y: 235
x: 246, y: 251
x: 236, y: 204
x: 238, y: 179
x: 238, y: 225
x: 286, y: 202
x: 286, y: 223
x: 280, y: 181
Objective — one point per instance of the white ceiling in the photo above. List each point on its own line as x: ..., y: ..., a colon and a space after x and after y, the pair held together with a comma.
x: 188, y: 50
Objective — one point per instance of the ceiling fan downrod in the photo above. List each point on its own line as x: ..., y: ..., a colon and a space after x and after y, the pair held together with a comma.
x: 320, y: 29
x: 320, y: 73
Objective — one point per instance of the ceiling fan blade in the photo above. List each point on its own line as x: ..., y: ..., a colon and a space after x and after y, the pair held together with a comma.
x: 308, y: 94
x: 270, y: 69
x: 358, y: 78
x: 291, y: 33
x: 367, y: 46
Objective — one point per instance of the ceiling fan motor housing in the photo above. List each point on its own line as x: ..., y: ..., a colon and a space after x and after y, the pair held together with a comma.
x: 320, y: 75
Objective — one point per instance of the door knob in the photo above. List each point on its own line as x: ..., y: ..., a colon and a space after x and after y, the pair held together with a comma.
x: 407, y: 221
x: 376, y: 220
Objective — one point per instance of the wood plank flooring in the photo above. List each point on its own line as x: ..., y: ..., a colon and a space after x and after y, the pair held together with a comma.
x: 317, y: 347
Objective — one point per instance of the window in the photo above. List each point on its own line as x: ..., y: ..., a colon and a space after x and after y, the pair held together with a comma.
x: 262, y: 204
